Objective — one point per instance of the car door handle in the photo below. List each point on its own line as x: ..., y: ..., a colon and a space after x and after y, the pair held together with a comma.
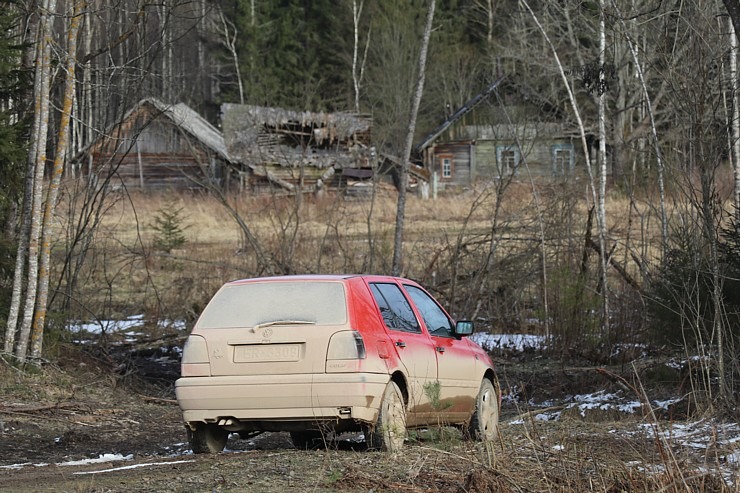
x: 440, y: 349
x: 400, y: 344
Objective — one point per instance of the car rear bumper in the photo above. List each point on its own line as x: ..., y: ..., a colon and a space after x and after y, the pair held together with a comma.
x: 289, y: 398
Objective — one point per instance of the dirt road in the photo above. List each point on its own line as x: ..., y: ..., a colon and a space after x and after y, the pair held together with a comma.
x: 80, y: 430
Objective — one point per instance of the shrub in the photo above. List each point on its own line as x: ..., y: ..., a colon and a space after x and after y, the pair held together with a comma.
x: 168, y: 225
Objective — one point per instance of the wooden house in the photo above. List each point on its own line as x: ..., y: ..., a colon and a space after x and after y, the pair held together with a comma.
x: 158, y: 146
x: 475, y: 143
x: 300, y: 151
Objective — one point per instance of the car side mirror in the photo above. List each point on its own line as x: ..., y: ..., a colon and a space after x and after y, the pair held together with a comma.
x: 464, y: 328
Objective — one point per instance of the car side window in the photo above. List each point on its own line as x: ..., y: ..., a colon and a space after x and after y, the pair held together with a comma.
x: 436, y: 320
x: 394, y: 307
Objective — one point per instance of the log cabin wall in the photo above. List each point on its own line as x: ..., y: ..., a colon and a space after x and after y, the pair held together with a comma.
x: 154, y: 148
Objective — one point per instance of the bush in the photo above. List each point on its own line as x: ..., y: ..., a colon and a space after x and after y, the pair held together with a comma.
x: 681, y: 305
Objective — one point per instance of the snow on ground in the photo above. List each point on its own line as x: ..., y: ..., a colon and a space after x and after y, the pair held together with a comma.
x: 509, y: 342
x: 96, y: 460
x: 133, y: 466
x: 130, y: 327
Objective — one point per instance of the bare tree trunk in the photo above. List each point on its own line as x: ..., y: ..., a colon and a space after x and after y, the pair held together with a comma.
x: 358, y: 72
x: 229, y: 33
x: 164, y: 28
x: 602, y: 165
x: 658, y: 152
x: 39, y: 319
x: 571, y: 98
x: 42, y: 113
x: 733, y: 9
x: 87, y: 89
x: 489, y: 25
x: 735, y: 121
x: 20, y: 260
x: 401, y: 209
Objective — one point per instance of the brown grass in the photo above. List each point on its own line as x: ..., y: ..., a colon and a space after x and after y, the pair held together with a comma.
x: 448, y: 242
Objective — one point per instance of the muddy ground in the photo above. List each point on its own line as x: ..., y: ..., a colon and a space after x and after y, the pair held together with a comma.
x: 124, y: 418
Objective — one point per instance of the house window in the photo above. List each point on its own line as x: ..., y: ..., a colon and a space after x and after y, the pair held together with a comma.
x: 507, y: 159
x: 563, y: 159
x: 446, y: 167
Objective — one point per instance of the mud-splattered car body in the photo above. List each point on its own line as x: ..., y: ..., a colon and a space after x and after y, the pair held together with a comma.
x: 317, y: 354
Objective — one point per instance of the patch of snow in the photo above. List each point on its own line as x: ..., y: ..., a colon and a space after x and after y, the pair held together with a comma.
x: 129, y: 327
x: 16, y: 466
x: 98, y: 460
x: 101, y: 458
x: 619, y: 349
x: 133, y: 466
x: 510, y: 342
x: 666, y: 404
x: 677, y: 364
x: 733, y: 458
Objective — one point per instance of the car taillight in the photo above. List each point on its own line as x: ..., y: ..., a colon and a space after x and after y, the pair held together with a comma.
x: 195, y: 358
x: 195, y: 350
x: 347, y: 344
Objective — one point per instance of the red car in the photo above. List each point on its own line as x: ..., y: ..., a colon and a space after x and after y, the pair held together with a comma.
x: 313, y: 355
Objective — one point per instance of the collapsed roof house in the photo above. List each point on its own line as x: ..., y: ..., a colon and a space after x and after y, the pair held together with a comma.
x: 158, y: 146
x: 484, y: 142
x: 299, y: 151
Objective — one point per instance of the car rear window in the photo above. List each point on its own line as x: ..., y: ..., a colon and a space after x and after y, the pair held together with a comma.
x: 247, y: 305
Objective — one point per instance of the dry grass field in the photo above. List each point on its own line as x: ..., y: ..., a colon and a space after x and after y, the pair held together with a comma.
x: 477, y: 250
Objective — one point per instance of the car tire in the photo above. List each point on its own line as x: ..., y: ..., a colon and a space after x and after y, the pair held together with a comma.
x: 483, y: 424
x: 389, y: 431
x: 207, y: 438
x: 306, y: 440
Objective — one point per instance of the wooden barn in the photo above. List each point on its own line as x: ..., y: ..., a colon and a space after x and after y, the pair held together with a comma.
x: 300, y: 151
x: 159, y: 146
x: 475, y: 144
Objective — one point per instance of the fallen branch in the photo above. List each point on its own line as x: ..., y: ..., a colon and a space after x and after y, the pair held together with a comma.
x: 531, y: 414
x: 619, y: 268
x: 35, y: 409
x: 158, y: 399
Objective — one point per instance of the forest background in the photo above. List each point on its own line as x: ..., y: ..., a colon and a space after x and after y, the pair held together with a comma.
x: 647, y: 254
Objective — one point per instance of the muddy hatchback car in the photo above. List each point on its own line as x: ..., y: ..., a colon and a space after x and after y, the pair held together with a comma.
x: 321, y: 355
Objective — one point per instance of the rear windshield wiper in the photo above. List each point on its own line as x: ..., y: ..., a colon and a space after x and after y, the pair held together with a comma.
x: 281, y: 322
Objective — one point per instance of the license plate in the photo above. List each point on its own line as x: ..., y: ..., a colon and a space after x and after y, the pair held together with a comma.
x: 258, y: 353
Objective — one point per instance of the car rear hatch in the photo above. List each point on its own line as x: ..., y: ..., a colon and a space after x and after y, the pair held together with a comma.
x: 273, y: 327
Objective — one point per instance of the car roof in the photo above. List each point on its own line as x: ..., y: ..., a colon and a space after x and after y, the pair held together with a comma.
x: 312, y: 277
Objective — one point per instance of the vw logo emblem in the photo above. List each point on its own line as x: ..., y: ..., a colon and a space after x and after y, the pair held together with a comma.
x: 267, y: 333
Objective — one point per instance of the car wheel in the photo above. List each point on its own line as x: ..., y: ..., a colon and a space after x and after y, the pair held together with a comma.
x: 306, y: 440
x: 207, y: 439
x: 389, y: 431
x: 484, y: 423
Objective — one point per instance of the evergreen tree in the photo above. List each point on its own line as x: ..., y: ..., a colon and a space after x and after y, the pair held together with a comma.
x: 12, y: 139
x: 294, y: 53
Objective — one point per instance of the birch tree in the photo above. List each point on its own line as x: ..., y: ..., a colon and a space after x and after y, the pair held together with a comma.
x: 735, y: 124
x: 582, y: 133
x: 401, y: 206
x: 601, y: 90
x: 228, y: 34
x: 37, y: 334
x: 13, y: 130
x: 358, y: 66
x: 38, y: 157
